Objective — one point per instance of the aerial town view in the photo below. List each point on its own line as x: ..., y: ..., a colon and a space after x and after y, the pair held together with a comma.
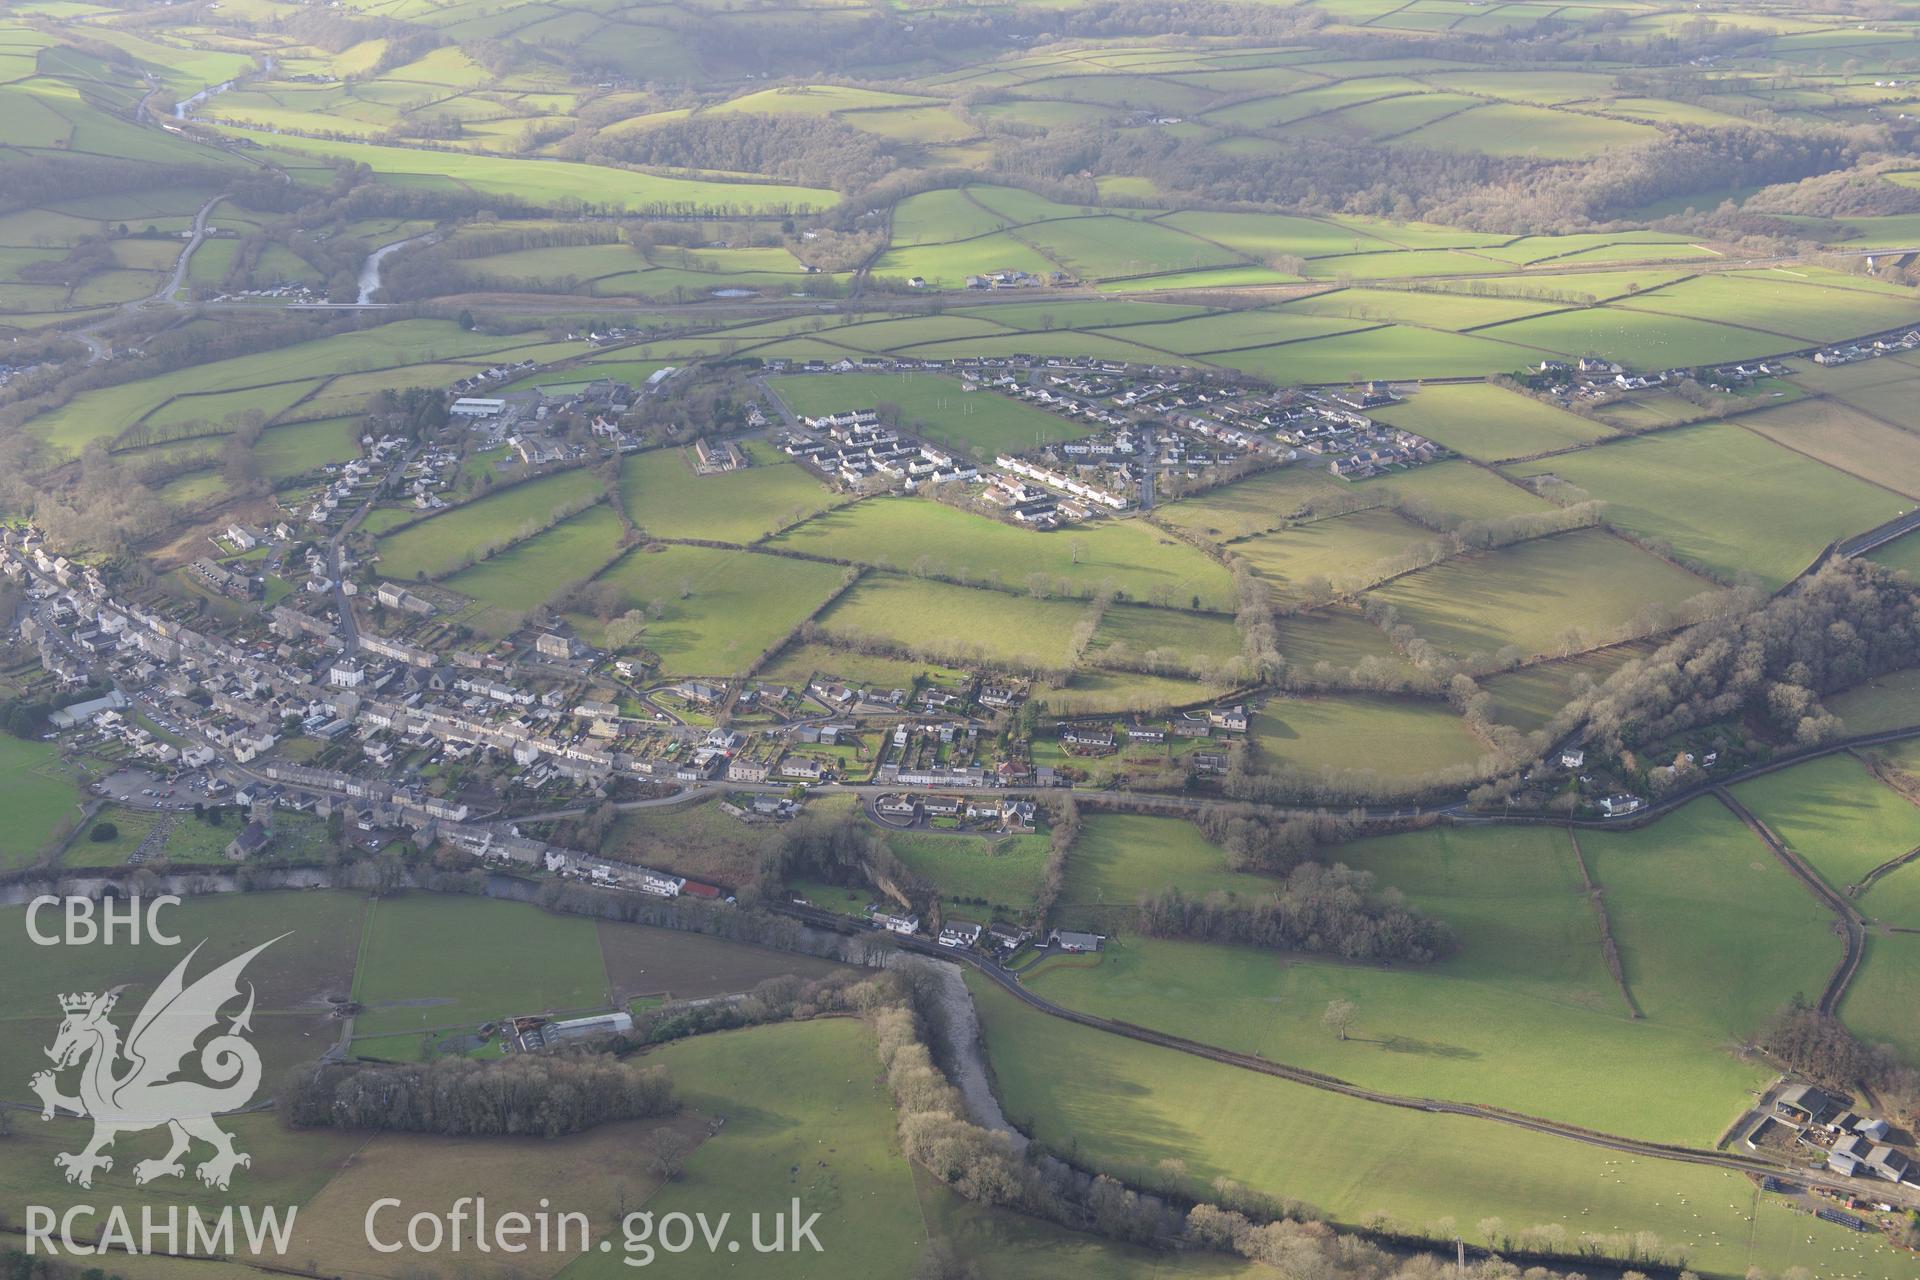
x: 997, y: 640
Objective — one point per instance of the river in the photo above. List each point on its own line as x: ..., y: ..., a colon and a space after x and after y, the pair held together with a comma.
x: 370, y: 269
x: 184, y: 110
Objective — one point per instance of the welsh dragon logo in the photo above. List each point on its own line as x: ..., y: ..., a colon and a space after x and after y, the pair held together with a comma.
x: 133, y: 1087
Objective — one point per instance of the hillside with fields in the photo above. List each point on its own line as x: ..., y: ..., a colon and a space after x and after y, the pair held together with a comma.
x: 1223, y: 641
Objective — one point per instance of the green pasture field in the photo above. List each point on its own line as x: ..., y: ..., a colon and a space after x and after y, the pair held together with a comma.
x: 295, y: 448
x: 1490, y: 423
x: 1109, y: 247
x: 38, y: 793
x: 818, y: 100
x: 907, y: 331
x: 696, y: 840
x: 1058, y: 342
x: 1363, y: 733
x: 1121, y: 858
x: 579, y: 263
x: 1713, y: 932
x: 947, y: 266
x: 1725, y: 498
x: 1233, y: 330
x: 1639, y: 339
x: 807, y: 1116
x: 1240, y: 277
x: 433, y: 961
x: 294, y: 976
x: 1780, y: 303
x: 1128, y: 1106
x: 664, y: 496
x: 646, y: 961
x: 1555, y: 595
x: 1427, y: 308
x: 1383, y: 119
x: 1046, y: 114
x: 1530, y: 698
x: 1393, y: 264
x: 193, y: 489
x: 1253, y: 505
x: 594, y: 1173
x: 1523, y: 1014
x: 1012, y: 1246
x: 437, y: 544
x: 1127, y: 556
x: 978, y: 424
x: 1879, y: 1003
x: 288, y: 1167
x: 1547, y: 248
x: 941, y: 217
x: 717, y: 611
x: 1882, y: 387
x: 1560, y: 289
x: 957, y: 624
x: 993, y: 874
x: 1846, y: 439
x: 1095, y: 692
x: 558, y: 183
x: 1396, y: 351
x: 1843, y: 821
x: 799, y: 663
x: 1127, y: 633
x: 1267, y: 236
x: 530, y: 572
x: 1348, y: 552
x: 107, y: 411
x: 1902, y: 554
x: 1635, y: 252
x: 1104, y: 313
x: 215, y: 407
x: 1517, y: 129
x: 1284, y: 108
x: 1446, y: 492
x: 1338, y: 638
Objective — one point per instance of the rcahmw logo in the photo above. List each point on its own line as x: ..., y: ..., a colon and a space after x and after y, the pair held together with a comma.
x: 145, y: 1082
